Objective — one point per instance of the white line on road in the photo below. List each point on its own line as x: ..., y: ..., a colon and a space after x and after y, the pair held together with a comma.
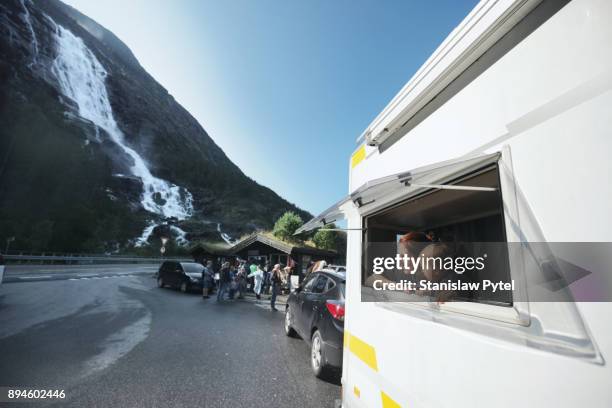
x: 79, y: 277
x: 64, y: 268
x: 125, y: 275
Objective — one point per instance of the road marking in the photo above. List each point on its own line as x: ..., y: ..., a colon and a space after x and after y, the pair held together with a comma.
x: 125, y: 275
x: 33, y: 278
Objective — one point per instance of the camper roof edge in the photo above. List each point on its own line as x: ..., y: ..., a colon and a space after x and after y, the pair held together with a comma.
x: 480, y: 29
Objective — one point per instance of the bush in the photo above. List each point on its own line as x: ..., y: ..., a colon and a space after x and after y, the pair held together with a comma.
x: 286, y: 225
x: 325, y: 239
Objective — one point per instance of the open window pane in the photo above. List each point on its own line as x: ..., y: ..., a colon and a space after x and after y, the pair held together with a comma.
x: 332, y: 214
x: 369, y: 194
x: 376, y: 189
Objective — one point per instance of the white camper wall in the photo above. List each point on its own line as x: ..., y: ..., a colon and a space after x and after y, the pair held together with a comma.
x: 549, y: 100
x: 546, y: 99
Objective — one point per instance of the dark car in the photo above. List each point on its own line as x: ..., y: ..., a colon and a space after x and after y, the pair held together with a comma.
x: 185, y: 276
x: 315, y: 312
x: 1, y: 268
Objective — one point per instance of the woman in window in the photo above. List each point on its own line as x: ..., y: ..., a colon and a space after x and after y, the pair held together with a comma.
x: 409, y: 244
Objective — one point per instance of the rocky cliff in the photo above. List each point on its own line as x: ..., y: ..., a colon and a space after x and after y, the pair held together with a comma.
x: 95, y: 155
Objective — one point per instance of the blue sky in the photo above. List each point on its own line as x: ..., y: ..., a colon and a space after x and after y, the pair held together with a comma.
x: 283, y: 86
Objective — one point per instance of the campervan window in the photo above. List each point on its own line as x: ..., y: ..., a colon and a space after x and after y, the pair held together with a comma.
x: 466, y: 219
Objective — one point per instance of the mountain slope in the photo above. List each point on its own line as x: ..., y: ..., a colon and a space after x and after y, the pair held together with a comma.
x: 95, y: 153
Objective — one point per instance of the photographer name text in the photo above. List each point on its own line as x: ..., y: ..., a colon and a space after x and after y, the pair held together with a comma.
x: 425, y: 285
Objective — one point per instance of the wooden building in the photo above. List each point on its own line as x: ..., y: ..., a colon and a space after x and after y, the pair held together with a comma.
x: 203, y: 252
x: 264, y: 249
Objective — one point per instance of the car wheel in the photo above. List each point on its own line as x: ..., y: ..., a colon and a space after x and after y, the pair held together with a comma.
x: 317, y: 356
x: 289, y: 331
x: 160, y: 282
x: 184, y: 287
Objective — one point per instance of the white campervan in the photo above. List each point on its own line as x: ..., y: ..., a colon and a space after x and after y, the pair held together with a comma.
x: 504, y: 134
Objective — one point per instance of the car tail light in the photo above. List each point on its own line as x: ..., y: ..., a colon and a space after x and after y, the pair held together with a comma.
x: 336, y: 308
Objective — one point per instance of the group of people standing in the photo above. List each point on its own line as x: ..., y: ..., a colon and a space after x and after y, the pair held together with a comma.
x: 232, y: 278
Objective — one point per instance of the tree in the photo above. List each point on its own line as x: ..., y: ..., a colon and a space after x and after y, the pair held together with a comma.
x: 286, y: 225
x: 326, y: 239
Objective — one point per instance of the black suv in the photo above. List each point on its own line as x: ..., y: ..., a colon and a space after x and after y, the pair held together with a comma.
x: 315, y: 311
x: 185, y: 276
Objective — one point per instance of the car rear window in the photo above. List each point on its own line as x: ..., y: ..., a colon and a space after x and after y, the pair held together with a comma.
x: 320, y: 285
x: 331, y: 283
x: 192, y: 268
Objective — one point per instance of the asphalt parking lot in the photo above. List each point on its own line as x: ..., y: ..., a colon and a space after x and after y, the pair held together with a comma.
x: 118, y: 340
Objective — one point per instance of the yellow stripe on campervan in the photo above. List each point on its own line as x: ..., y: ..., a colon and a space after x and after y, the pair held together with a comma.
x: 358, y: 156
x: 367, y: 353
x: 388, y: 402
x: 361, y: 349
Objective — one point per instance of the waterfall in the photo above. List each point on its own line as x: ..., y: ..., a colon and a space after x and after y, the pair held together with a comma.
x: 144, y: 237
x: 34, y: 42
x: 229, y: 240
x: 81, y: 77
x: 181, y: 236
